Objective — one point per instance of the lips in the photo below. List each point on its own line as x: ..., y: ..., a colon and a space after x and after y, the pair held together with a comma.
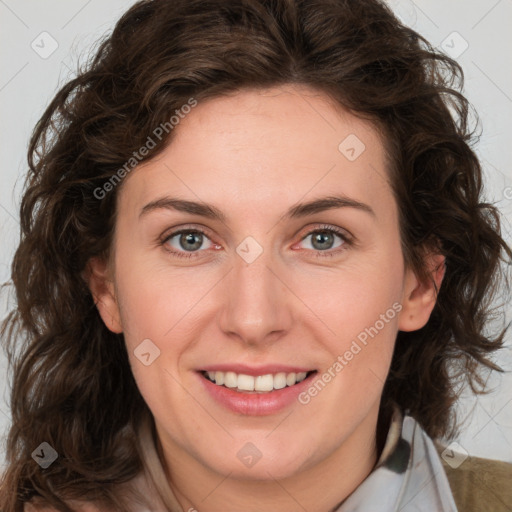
x: 255, y: 391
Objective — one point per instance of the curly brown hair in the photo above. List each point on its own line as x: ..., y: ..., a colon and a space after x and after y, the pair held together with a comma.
x: 72, y: 385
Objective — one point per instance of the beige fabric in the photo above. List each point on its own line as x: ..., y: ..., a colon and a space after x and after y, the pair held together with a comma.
x: 480, y: 484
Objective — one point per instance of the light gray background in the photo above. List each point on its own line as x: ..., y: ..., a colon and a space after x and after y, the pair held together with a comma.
x: 28, y: 82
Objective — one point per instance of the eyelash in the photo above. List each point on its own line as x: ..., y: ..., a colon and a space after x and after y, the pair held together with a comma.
x: 347, y: 241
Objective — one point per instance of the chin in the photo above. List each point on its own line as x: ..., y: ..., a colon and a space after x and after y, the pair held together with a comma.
x: 260, y: 460
x: 263, y: 471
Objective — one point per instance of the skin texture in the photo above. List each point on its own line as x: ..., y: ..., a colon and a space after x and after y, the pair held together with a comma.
x: 253, y: 155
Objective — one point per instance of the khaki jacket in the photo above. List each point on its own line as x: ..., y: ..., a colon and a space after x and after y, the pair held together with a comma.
x: 480, y: 485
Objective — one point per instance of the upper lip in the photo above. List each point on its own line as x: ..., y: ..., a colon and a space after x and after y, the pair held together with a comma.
x: 255, y: 370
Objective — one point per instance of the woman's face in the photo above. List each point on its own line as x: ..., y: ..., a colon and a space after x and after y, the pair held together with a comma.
x: 288, y: 263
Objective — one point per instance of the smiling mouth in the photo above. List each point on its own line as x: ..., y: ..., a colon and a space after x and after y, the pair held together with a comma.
x: 260, y: 384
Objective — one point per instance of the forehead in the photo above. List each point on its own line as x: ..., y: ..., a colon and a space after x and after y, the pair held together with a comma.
x: 266, y: 146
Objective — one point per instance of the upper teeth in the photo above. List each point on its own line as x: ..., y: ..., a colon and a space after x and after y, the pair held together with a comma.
x: 266, y: 382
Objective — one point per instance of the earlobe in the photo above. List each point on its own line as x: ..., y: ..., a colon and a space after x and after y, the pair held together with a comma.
x: 100, y: 283
x: 420, y: 296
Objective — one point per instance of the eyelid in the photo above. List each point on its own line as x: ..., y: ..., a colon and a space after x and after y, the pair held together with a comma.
x: 168, y: 233
x: 344, y: 233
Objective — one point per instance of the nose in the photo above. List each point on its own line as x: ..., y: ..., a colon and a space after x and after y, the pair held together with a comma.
x: 256, y: 304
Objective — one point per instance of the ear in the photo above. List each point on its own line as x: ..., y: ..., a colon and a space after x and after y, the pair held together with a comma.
x: 419, y: 296
x: 98, y: 277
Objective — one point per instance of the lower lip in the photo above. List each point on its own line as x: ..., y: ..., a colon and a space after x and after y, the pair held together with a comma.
x: 255, y: 404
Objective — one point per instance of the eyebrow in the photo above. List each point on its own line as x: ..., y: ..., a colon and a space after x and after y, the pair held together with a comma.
x: 298, y: 211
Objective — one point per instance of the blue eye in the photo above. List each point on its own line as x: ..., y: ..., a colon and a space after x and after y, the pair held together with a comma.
x: 323, y: 241
x: 189, y: 242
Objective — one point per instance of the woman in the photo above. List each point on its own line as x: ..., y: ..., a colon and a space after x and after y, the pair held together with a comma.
x: 255, y: 265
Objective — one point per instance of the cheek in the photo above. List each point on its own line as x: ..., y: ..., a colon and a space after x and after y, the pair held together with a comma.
x: 157, y: 317
x: 156, y: 302
x: 359, y: 313
x: 364, y: 319
x: 356, y: 298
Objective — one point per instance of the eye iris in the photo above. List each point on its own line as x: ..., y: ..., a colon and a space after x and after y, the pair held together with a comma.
x: 189, y: 238
x: 322, y: 237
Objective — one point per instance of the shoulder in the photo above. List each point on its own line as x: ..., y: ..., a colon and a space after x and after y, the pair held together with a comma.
x: 478, y: 483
